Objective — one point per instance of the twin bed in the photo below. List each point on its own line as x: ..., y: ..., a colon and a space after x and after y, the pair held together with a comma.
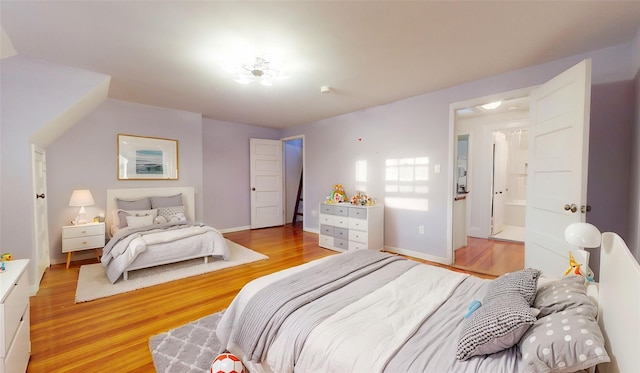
x: 155, y: 226
x: 376, y: 312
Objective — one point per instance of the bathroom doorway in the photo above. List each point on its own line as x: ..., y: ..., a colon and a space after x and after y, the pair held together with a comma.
x: 509, y: 188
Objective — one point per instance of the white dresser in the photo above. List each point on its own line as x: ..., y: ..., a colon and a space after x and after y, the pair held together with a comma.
x: 15, y: 343
x: 344, y: 226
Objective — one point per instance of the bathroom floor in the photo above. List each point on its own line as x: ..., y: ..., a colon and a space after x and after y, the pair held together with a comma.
x: 510, y: 233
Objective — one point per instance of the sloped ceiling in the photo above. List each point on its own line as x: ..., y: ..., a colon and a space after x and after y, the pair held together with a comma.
x: 370, y: 53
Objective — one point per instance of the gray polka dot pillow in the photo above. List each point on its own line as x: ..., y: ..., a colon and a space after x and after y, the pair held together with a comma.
x: 565, y: 341
x: 566, y: 293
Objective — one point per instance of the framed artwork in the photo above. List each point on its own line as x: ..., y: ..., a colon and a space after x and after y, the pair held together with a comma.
x: 147, y: 158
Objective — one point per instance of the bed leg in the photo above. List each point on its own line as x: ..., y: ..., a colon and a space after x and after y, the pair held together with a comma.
x: 125, y: 275
x: 206, y: 259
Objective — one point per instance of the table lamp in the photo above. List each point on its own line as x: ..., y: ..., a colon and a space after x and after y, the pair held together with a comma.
x: 81, y: 198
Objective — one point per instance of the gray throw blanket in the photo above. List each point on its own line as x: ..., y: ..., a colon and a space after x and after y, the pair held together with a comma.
x: 269, y: 308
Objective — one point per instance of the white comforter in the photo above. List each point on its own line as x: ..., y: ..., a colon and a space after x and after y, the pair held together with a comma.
x: 370, y: 333
x: 177, y: 241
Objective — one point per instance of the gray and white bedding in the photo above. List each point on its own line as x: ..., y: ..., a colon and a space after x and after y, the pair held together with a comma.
x: 385, y: 314
x: 157, y: 244
x: 367, y: 311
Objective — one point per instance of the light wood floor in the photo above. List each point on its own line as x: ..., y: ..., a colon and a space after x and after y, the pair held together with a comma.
x: 491, y: 257
x: 112, y: 334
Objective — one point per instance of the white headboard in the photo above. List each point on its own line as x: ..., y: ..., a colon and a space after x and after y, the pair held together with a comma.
x: 618, y: 305
x: 188, y: 198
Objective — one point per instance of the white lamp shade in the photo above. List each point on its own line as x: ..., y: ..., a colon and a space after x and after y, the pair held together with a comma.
x: 583, y: 235
x: 81, y: 198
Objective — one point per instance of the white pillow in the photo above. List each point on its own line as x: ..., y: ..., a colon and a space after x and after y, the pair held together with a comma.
x: 139, y: 221
x: 122, y: 214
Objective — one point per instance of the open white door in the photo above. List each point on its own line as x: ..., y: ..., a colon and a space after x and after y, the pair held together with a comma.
x: 558, y: 156
x: 499, y: 189
x: 39, y: 171
x: 266, y: 183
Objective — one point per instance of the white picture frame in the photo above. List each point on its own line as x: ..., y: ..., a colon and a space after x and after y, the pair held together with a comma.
x: 147, y: 158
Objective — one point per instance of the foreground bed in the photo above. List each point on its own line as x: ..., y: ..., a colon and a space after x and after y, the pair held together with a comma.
x: 374, y: 312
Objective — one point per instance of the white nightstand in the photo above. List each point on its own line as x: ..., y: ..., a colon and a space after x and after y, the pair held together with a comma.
x: 82, y: 237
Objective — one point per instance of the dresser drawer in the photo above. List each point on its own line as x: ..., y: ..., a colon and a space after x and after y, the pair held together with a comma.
x: 341, y: 244
x: 358, y: 224
x: 341, y: 221
x: 341, y: 210
x: 326, y: 241
x: 83, y: 231
x: 327, y: 230
x: 17, y: 357
x: 359, y: 236
x: 357, y: 246
x: 342, y: 233
x: 13, y: 309
x: 326, y: 219
x: 74, y: 244
x: 358, y: 212
x: 327, y: 209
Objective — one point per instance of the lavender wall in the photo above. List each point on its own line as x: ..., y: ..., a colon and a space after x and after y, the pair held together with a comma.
x: 226, y: 172
x: 34, y: 93
x: 85, y: 157
x: 610, y: 156
x: 415, y: 128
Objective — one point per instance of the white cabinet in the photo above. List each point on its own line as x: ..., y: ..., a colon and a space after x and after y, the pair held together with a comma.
x: 82, y: 237
x: 344, y: 226
x: 15, y: 344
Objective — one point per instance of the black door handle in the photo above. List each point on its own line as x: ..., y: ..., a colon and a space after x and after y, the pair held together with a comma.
x: 40, y: 196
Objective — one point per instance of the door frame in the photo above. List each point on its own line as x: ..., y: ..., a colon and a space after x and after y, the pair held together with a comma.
x: 38, y: 219
x: 284, y: 174
x: 522, y: 92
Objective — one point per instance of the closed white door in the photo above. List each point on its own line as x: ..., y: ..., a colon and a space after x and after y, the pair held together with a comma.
x: 266, y: 183
x: 39, y: 171
x: 558, y: 156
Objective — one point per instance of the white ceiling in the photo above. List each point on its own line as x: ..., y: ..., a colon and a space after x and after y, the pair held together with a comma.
x: 370, y: 53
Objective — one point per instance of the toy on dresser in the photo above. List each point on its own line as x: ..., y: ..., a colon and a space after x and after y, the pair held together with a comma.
x: 337, y: 195
x: 6, y: 257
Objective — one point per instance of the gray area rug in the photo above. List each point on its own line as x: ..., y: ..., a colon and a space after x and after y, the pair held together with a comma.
x: 189, y: 348
x: 93, y: 282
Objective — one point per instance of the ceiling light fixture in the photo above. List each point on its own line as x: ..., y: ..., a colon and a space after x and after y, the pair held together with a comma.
x: 492, y: 105
x: 260, y: 70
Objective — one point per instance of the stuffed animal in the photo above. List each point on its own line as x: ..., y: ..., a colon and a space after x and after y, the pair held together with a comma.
x: 337, y: 194
x: 6, y: 257
x: 575, y: 268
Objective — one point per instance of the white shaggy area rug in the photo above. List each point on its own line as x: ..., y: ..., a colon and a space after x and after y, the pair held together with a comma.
x: 93, y: 282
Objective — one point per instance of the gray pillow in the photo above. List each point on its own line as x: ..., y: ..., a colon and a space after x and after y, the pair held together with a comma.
x: 565, y: 341
x: 168, y: 201
x: 523, y: 283
x: 137, y: 204
x: 495, y: 326
x: 565, y: 293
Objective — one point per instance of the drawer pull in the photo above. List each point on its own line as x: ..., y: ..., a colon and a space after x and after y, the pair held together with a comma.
x: 84, y: 231
x: 84, y: 242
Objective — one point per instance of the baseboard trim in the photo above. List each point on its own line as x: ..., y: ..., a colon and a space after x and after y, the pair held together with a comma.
x: 416, y: 254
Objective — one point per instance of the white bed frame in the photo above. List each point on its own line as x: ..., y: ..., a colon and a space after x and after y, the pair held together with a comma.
x: 619, y: 305
x: 188, y: 198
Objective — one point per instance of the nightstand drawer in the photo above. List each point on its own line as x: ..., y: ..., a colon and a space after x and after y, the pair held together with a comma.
x: 81, y: 243
x: 82, y: 231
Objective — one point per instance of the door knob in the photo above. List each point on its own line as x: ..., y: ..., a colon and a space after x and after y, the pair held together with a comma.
x: 573, y: 208
x: 584, y: 208
x: 40, y: 196
x: 253, y: 189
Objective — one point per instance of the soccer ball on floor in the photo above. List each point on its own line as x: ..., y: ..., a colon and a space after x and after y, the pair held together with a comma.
x: 226, y: 363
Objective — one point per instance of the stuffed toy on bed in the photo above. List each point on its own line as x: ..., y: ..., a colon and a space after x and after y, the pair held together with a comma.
x: 575, y: 268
